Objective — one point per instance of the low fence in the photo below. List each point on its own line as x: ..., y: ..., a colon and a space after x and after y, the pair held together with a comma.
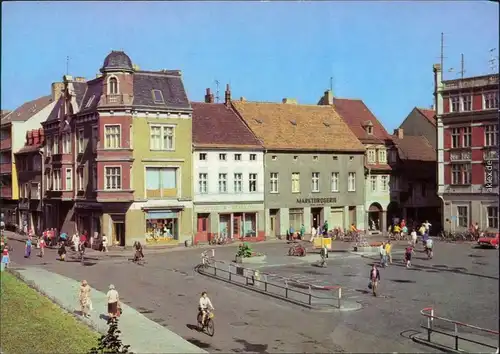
x: 428, y: 312
x: 300, y: 293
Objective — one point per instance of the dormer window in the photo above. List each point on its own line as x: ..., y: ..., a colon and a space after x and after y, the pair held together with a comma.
x: 113, y: 86
x: 89, y: 102
x: 158, y: 97
x: 368, y: 126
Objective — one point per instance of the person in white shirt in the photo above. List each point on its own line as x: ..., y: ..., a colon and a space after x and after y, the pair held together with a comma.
x: 113, y: 302
x: 427, y: 226
x: 383, y: 255
x: 205, y: 306
x: 74, y: 242
x: 413, y: 237
x: 104, y: 243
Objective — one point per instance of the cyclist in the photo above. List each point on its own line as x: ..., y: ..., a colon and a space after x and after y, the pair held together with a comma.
x: 205, y: 306
x: 139, y: 255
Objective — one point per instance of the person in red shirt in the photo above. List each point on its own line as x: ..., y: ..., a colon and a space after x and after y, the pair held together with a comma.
x: 403, y: 223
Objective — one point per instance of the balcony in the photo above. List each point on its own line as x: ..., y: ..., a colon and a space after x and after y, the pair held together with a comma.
x: 6, y: 192
x: 6, y: 144
x: 461, y: 155
x: 6, y: 168
x: 113, y: 100
x: 490, y: 154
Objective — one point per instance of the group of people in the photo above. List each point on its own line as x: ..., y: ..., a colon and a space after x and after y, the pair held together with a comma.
x: 114, y: 306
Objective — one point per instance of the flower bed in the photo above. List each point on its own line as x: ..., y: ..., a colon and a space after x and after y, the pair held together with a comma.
x: 246, y: 255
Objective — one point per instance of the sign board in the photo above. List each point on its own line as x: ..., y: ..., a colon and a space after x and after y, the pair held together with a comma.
x: 316, y: 200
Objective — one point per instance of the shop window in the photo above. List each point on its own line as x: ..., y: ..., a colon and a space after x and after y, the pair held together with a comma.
x: 224, y: 225
x: 165, y: 229
x: 463, y: 216
x: 161, y: 182
x: 250, y: 225
x: 296, y: 217
x: 492, y: 217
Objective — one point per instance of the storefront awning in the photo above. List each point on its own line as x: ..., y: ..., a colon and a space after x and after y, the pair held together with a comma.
x: 162, y: 214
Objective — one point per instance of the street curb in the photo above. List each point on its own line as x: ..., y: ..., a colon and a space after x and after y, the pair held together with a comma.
x: 437, y: 346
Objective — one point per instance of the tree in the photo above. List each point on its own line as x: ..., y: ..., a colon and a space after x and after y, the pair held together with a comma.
x: 111, y: 342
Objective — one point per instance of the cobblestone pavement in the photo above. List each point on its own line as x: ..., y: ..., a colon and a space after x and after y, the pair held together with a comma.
x: 461, y: 282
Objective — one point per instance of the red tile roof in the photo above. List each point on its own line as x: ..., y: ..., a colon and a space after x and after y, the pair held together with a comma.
x: 216, y: 125
x: 416, y: 148
x: 429, y: 114
x: 378, y: 166
x: 356, y: 114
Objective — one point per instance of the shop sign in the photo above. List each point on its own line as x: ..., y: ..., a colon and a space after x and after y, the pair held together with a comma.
x: 163, y: 214
x: 316, y: 200
x: 228, y: 208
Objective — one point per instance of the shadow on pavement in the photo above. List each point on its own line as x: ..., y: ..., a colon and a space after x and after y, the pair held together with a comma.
x: 193, y: 327
x: 198, y: 343
x: 250, y: 347
x: 403, y: 281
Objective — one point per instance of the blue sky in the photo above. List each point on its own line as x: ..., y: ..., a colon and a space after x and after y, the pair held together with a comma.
x: 381, y: 52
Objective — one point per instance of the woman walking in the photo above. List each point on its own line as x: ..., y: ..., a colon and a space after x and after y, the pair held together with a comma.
x: 5, y: 257
x: 84, y: 297
x: 113, y: 302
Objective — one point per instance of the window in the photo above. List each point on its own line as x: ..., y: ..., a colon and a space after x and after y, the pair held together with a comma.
x: 94, y: 177
x: 66, y: 143
x: 113, y: 86
x: 158, y: 97
x: 69, y: 180
x: 455, y: 137
x: 372, y: 157
x: 80, y: 137
x: 222, y: 182
x: 162, y: 137
x: 295, y: 158
x: 454, y: 104
x: 113, y: 178
x: 274, y: 182
x: 385, y: 183
x: 237, y: 157
x: 95, y: 138
x: 112, y: 136
x: 463, y: 216
x: 467, y: 137
x: 335, y: 181
x: 48, y: 146
x: 202, y: 157
x: 274, y: 157
x: 80, y: 179
x: 335, y: 158
x: 373, y: 183
x: 161, y: 182
x: 369, y: 130
x: 491, y: 135
x: 89, y: 102
x: 48, y: 180
x: 56, y: 177
x: 55, y: 146
x: 351, y: 182
x: 315, y: 182
x: 253, y: 157
x: 467, y: 103
x: 392, y: 156
x: 238, y: 183
x: 315, y: 158
x: 222, y: 157
x: 490, y: 100
x: 203, y: 183
x: 461, y: 174
x: 423, y: 189
x: 252, y: 182
x: 35, y: 190
x: 295, y: 182
x: 492, y: 217
x: 382, y: 156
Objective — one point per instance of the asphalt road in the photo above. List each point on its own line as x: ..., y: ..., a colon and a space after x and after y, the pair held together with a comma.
x: 460, y: 282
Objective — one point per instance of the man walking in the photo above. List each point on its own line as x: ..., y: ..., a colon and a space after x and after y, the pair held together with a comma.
x: 388, y: 252
x: 374, y: 279
x: 383, y: 255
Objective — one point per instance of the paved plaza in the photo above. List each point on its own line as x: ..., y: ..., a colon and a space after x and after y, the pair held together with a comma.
x: 461, y: 283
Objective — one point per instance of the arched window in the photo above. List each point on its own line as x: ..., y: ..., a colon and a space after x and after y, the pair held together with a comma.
x: 113, y: 86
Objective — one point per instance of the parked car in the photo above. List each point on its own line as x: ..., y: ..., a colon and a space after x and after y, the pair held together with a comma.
x: 488, y: 240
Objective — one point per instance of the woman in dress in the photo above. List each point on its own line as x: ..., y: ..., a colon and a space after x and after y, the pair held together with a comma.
x: 5, y: 256
x: 113, y: 300
x: 84, y: 297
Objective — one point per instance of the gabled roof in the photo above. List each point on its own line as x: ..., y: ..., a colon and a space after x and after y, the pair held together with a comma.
x: 428, y: 113
x: 216, y: 125
x: 356, y: 114
x: 415, y: 148
x: 168, y: 82
x: 80, y: 88
x: 283, y: 126
x: 27, y: 110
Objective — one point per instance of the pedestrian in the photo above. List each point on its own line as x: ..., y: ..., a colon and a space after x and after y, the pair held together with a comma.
x: 5, y: 256
x: 302, y: 231
x: 104, y: 243
x: 41, y: 244
x: 408, y: 253
x: 27, y: 247
x: 313, y: 234
x: 84, y: 297
x: 382, y: 254
x: 413, y: 237
x: 74, y: 242
x: 388, y: 252
x: 91, y: 242
x: 113, y: 302
x: 374, y: 279
x: 62, y: 252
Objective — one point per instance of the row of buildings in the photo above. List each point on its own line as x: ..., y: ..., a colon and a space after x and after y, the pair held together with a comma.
x: 129, y: 155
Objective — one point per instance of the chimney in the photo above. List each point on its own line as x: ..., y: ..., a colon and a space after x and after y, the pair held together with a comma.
x: 67, y: 78
x: 136, y: 67
x: 209, y: 96
x: 227, y: 96
x: 29, y: 140
x: 57, y: 89
x: 243, y: 99
x: 80, y: 79
x: 289, y: 101
x: 42, y: 135
x: 328, y: 98
x: 399, y: 133
x: 36, y: 137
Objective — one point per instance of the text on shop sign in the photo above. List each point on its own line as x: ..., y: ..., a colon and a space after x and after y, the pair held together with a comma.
x: 316, y: 200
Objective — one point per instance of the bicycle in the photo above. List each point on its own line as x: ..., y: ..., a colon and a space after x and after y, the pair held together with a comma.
x: 206, y: 260
x: 209, y: 323
x: 297, y: 250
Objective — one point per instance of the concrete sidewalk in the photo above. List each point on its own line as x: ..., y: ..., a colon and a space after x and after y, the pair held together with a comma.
x: 142, y: 334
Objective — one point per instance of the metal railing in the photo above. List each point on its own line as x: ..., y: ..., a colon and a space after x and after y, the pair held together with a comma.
x: 429, y: 313
x: 294, y: 291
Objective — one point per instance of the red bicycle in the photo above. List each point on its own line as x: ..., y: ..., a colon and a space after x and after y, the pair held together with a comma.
x: 297, y: 250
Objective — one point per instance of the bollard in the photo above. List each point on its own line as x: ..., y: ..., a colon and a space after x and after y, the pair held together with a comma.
x: 265, y: 283
x: 310, y: 294
x: 456, y: 336
x: 286, y: 288
x: 229, y: 269
x: 213, y: 252
x: 429, y: 325
x: 340, y: 298
x: 215, y: 268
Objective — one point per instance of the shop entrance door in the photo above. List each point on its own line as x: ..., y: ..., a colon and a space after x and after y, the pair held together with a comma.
x: 119, y: 233
x: 203, y: 226
x: 316, y: 217
x: 237, y: 225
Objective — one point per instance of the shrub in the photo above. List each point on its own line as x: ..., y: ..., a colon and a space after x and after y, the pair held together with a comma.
x: 110, y: 342
x: 244, y: 251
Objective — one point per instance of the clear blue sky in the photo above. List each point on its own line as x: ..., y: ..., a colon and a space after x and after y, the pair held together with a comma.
x: 381, y: 52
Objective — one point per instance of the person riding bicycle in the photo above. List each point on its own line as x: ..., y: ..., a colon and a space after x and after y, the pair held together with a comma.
x: 205, y: 306
x: 138, y: 251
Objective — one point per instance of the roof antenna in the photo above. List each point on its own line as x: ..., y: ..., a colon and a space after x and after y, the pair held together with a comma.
x: 67, y: 65
x: 462, y: 67
x: 331, y: 84
x: 217, y: 83
x: 493, y: 61
x: 441, y: 56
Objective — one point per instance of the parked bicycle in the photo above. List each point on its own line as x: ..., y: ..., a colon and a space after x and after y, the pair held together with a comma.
x: 206, y: 260
x: 297, y: 249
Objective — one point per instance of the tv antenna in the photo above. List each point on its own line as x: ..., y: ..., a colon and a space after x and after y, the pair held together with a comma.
x: 493, y: 61
x: 462, y: 66
x: 217, y: 83
x: 441, y: 56
x: 331, y: 84
x: 67, y: 65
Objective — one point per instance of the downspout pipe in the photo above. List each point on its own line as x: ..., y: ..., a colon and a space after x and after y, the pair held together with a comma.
x: 42, y: 189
